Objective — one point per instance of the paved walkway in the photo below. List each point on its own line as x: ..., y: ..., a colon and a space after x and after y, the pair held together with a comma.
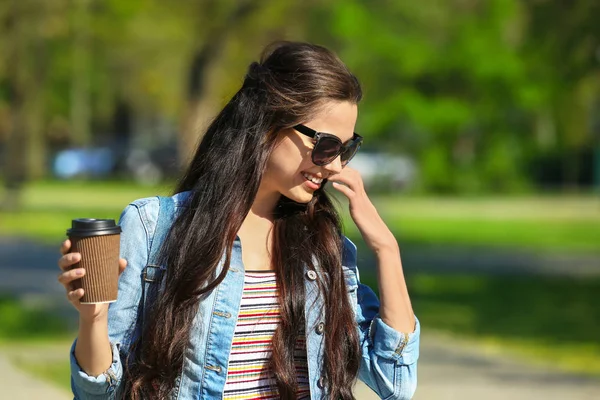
x: 450, y: 371
x: 17, y: 385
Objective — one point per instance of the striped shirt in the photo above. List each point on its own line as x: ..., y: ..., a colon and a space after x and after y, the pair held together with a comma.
x: 248, y: 373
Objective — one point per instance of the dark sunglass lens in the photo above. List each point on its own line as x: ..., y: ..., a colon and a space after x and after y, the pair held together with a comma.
x: 326, y: 151
x: 350, y: 152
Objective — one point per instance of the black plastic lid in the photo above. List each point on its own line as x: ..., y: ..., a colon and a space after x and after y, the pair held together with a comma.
x: 86, y: 227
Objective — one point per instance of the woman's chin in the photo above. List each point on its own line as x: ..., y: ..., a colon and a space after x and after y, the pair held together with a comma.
x: 300, y: 195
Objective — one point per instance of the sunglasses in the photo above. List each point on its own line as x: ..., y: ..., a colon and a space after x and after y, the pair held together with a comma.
x: 328, y: 147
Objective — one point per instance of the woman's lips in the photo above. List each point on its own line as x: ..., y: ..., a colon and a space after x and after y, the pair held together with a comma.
x: 311, y: 184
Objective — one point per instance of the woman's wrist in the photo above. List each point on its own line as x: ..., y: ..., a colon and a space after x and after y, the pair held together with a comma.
x: 99, y: 317
x: 92, y: 322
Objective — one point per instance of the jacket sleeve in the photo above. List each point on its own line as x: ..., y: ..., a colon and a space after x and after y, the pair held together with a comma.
x: 389, y: 358
x: 122, y: 314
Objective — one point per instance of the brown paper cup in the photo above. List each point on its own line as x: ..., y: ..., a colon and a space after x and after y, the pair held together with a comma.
x: 100, y: 259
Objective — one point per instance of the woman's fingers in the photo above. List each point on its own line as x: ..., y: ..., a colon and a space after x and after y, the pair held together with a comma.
x: 65, y: 247
x: 75, y: 295
x: 122, y: 265
x: 344, y: 189
x: 68, y: 259
x: 349, y: 177
x: 69, y: 276
x: 341, y: 179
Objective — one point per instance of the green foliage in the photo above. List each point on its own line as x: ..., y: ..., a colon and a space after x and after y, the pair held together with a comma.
x: 462, y: 85
x: 550, y: 319
x: 18, y: 322
x: 476, y: 91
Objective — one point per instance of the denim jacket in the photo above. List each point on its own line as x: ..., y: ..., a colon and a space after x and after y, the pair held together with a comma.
x: 389, y: 358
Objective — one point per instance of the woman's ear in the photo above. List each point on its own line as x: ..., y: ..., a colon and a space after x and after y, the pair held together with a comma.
x: 272, y: 134
x: 276, y: 136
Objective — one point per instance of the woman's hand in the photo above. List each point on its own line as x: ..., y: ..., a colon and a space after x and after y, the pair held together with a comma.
x: 372, y: 228
x: 395, y: 308
x: 87, y: 312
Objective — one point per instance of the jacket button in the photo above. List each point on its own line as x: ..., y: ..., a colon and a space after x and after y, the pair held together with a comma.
x: 321, y: 382
x: 216, y: 368
x: 312, y: 275
x: 320, y: 328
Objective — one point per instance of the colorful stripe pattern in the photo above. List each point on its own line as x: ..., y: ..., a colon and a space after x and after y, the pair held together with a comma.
x: 248, y: 375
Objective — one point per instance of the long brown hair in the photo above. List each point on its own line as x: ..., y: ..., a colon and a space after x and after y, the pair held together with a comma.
x: 291, y: 83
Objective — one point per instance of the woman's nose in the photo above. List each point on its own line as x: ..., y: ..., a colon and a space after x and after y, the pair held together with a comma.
x: 334, y: 167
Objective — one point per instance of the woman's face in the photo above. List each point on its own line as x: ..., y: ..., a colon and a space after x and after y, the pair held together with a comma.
x: 290, y: 163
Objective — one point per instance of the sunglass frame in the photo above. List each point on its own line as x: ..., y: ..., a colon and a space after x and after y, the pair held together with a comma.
x: 318, y: 136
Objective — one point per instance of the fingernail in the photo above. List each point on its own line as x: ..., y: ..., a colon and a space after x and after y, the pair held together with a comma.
x: 79, y: 272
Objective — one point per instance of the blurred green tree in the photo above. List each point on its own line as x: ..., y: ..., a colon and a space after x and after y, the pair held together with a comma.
x: 476, y: 90
x: 471, y: 88
x: 93, y: 66
x: 562, y: 51
x: 26, y: 26
x: 443, y: 81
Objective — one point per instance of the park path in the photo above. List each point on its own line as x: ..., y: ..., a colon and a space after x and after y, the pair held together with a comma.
x: 447, y: 370
x: 18, y: 385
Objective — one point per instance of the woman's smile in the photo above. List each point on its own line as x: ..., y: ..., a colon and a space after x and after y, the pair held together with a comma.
x: 312, y: 181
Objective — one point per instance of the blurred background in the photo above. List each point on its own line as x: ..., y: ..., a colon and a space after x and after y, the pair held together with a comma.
x: 481, y: 121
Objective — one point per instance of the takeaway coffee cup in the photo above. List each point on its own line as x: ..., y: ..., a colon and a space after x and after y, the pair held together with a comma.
x: 98, y: 242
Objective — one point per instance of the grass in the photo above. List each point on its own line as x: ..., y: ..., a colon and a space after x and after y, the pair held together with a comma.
x: 555, y: 321
x: 36, y: 340
x: 53, y: 371
x: 548, y: 223
x: 20, y: 323
x: 49, y: 207
x: 540, y: 223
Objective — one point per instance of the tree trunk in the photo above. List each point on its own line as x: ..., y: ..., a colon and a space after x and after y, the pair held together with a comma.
x: 202, y: 88
x: 80, y: 85
x: 35, y: 111
x: 201, y: 106
x: 16, y: 145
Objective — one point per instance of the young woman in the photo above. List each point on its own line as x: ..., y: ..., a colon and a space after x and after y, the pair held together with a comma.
x: 287, y: 317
